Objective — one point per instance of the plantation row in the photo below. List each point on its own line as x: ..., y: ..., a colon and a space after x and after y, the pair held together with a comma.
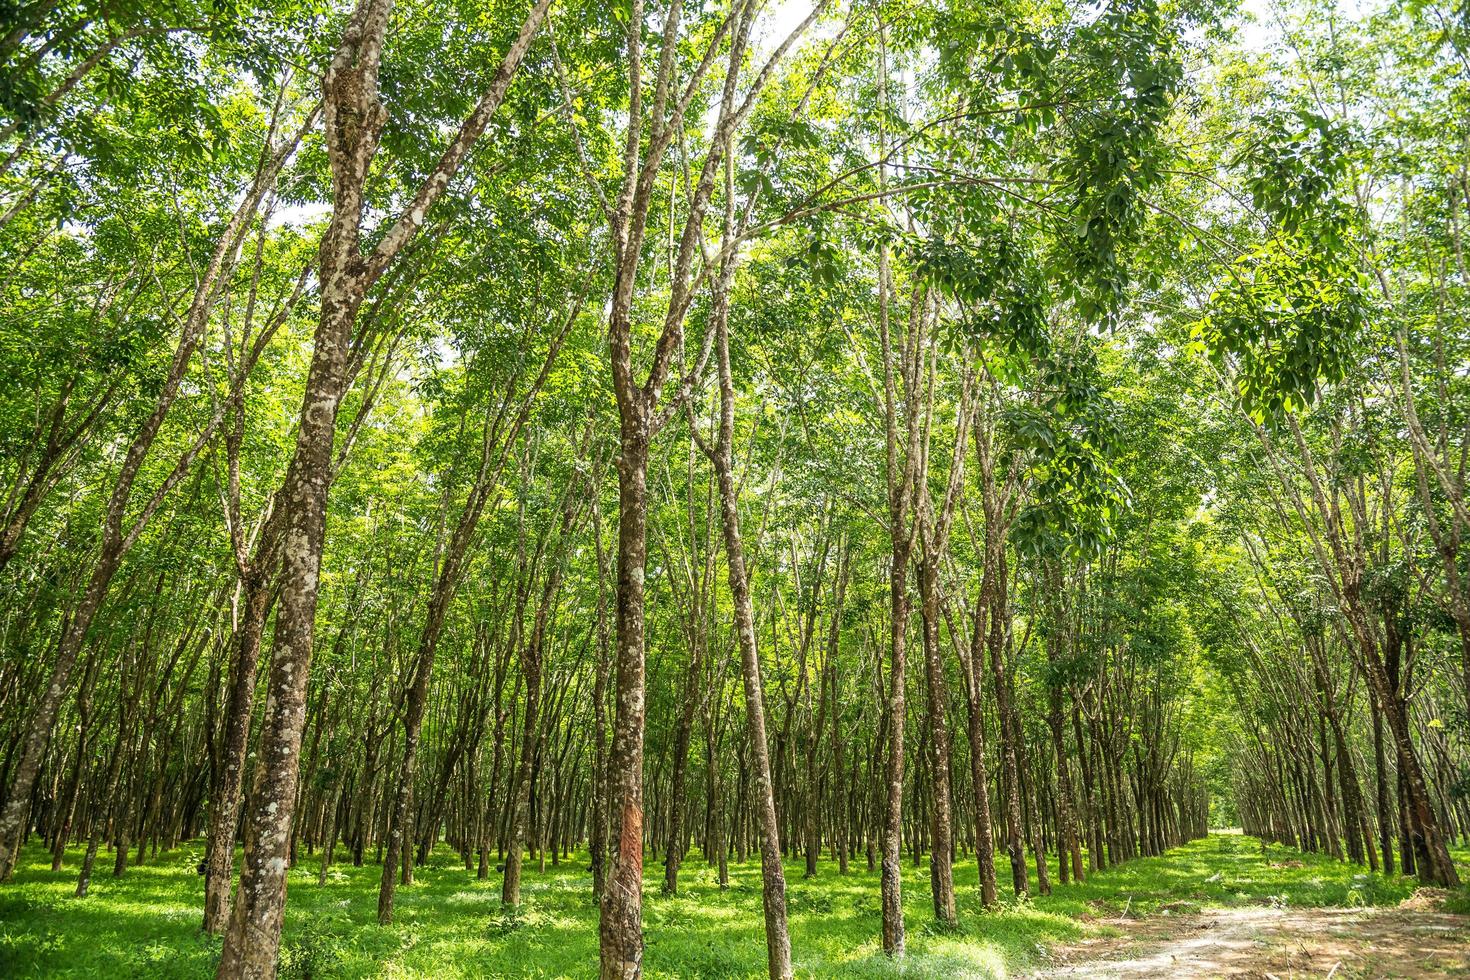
x: 1012, y: 440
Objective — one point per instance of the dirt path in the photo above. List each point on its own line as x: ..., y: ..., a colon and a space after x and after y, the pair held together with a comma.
x: 1412, y: 940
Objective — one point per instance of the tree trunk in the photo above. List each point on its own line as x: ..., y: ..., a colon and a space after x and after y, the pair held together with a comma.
x: 676, y: 840
x: 620, y: 930
x: 773, y: 878
x: 254, y: 933
x: 941, y: 871
x: 225, y: 811
x: 1008, y: 736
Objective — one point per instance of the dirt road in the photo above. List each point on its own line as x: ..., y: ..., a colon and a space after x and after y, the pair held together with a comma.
x: 1414, y: 940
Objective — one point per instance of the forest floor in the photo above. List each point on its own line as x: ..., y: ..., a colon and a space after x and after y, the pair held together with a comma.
x: 1218, y: 906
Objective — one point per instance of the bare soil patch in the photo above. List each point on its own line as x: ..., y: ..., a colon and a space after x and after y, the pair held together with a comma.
x: 1412, y: 940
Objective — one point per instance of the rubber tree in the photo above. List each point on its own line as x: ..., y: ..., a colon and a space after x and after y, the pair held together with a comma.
x: 354, y: 117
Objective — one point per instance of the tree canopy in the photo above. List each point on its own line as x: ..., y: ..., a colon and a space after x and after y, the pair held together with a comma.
x: 1020, y: 435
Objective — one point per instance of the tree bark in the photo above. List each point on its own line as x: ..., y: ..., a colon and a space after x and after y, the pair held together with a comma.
x: 773, y: 879
x: 354, y: 118
x: 225, y: 811
x: 1008, y: 736
x: 620, y: 930
x: 941, y: 870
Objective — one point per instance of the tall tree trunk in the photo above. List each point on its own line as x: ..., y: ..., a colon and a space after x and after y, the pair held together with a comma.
x: 975, y: 732
x: 108, y: 801
x: 941, y: 871
x: 620, y: 929
x: 1380, y: 774
x: 354, y: 117
x: 254, y: 933
x: 1010, y: 769
x: 597, y: 833
x: 225, y: 809
x: 531, y: 667
x: 683, y: 735
x: 773, y: 880
x: 396, y: 851
x: 1067, y: 845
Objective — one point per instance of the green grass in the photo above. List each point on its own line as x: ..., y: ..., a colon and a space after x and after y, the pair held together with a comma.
x: 448, y: 924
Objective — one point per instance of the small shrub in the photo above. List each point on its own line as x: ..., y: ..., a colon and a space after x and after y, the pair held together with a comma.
x: 506, y: 921
x: 812, y: 904
x: 315, y: 955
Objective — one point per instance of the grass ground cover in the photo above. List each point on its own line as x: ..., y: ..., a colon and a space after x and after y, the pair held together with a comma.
x: 146, y: 924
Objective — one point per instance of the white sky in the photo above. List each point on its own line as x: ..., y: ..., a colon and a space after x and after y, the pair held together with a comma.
x: 1260, y: 23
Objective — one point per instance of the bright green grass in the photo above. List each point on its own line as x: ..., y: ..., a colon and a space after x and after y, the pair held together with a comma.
x: 449, y: 925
